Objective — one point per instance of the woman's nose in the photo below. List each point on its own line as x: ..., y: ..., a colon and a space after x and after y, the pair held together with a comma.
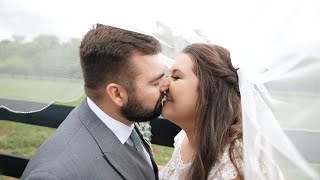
x: 165, y: 83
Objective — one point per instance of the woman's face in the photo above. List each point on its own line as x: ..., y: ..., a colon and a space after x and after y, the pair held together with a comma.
x: 182, y: 93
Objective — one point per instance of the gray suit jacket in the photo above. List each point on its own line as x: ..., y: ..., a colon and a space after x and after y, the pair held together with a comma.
x: 83, y: 147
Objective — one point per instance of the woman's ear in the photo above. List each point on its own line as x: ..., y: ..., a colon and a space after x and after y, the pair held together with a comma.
x: 117, y: 94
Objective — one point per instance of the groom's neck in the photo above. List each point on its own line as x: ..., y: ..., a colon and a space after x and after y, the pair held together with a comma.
x: 114, y: 112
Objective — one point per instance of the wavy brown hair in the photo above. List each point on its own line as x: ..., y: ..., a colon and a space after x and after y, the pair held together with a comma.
x: 218, y: 110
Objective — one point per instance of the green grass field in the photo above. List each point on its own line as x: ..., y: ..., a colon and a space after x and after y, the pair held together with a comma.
x: 40, y: 90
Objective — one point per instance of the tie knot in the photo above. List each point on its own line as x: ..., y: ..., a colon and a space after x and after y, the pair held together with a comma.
x: 135, y: 138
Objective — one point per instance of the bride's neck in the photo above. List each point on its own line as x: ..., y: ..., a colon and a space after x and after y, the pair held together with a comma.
x: 188, y: 146
x: 190, y: 132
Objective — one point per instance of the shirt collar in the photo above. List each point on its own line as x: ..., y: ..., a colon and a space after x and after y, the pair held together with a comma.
x: 122, y: 131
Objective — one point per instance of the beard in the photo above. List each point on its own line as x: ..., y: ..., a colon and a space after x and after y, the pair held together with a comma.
x: 135, y: 111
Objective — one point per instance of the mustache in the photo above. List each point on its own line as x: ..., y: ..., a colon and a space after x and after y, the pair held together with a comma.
x: 162, y: 95
x: 159, y: 102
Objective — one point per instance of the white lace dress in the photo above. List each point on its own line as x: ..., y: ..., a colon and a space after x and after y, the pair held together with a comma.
x: 176, y: 169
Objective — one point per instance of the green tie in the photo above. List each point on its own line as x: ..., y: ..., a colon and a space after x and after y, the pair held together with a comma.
x: 136, y: 141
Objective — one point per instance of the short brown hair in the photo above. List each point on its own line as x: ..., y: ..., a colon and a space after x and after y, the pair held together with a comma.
x: 105, y: 52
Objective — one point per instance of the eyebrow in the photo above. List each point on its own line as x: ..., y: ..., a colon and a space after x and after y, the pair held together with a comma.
x: 157, y: 78
x: 176, y: 70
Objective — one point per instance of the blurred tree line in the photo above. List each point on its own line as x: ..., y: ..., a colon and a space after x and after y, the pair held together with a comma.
x: 46, y: 56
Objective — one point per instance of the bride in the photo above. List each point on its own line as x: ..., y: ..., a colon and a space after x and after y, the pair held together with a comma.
x: 205, y: 101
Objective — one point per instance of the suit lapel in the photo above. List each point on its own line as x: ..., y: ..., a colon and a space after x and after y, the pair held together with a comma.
x: 111, y: 147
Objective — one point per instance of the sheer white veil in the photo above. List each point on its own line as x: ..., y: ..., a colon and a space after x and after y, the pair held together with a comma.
x: 275, y: 45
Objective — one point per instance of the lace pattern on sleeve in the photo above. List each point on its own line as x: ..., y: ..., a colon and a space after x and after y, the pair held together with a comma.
x: 225, y: 169
x: 175, y: 169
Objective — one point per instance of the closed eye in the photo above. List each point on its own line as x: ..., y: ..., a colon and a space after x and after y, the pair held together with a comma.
x: 175, y: 77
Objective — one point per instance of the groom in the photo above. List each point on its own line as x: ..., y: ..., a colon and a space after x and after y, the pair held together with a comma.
x: 124, y: 81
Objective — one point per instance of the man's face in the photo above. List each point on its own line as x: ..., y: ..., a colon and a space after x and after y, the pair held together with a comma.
x: 144, y: 102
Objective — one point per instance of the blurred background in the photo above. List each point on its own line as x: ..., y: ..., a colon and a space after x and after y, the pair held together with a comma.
x: 39, y: 58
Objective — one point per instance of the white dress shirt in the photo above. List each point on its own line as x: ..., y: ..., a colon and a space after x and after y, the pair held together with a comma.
x: 122, y: 131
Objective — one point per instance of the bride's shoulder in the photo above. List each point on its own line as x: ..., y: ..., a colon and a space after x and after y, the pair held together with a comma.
x: 179, y: 137
x: 224, y: 169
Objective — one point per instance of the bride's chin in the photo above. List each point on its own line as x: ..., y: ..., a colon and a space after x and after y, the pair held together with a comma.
x: 166, y: 104
x: 166, y: 111
x: 166, y: 116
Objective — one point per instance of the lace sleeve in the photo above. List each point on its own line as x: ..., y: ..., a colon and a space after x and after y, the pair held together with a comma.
x: 175, y: 168
x: 225, y: 169
x: 178, y: 138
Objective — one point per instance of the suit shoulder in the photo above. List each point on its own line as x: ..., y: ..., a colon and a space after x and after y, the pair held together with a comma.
x: 41, y: 175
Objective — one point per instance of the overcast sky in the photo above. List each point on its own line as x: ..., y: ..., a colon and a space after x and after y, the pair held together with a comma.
x: 73, y: 18
x: 239, y: 25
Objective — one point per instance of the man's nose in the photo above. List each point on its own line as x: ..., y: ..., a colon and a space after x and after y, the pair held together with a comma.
x: 165, y: 83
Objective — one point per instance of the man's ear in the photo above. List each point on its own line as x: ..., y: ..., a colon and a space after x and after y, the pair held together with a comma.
x: 117, y: 94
